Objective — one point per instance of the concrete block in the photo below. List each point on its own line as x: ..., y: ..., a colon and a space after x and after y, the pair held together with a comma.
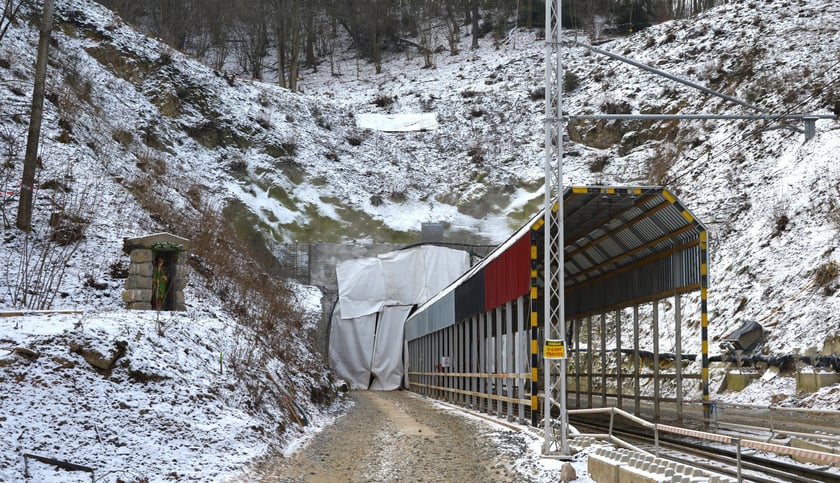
x: 603, y: 469
x: 141, y: 269
x: 137, y: 295
x: 628, y: 474
x: 138, y: 282
x: 812, y: 381
x: 139, y: 306
x: 738, y: 380
x: 813, y: 446
x: 140, y: 255
x: 179, y: 284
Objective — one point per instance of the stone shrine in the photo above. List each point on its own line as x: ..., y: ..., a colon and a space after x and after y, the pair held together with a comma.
x: 156, y: 273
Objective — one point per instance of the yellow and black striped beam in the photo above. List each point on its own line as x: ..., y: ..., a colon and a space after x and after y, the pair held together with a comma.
x: 704, y: 321
x: 535, y: 323
x: 704, y: 290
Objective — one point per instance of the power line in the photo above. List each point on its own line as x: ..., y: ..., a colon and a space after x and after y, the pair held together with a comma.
x: 774, y: 120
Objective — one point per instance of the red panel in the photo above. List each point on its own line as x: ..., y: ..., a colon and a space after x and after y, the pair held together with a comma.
x: 508, y: 276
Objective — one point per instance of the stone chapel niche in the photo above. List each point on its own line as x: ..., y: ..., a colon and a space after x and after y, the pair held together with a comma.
x: 156, y: 274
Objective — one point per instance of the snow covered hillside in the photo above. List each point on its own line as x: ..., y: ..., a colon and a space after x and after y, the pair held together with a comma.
x: 771, y: 201
x: 131, y: 124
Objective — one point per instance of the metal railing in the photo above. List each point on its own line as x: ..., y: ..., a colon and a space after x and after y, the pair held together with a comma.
x: 737, y: 442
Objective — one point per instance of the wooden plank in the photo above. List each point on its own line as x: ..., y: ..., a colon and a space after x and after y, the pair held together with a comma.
x: 22, y: 313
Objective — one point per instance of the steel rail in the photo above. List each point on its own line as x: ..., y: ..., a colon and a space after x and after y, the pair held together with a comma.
x: 748, y: 462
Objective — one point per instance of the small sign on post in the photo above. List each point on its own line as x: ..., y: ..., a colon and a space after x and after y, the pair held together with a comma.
x: 554, y: 349
x: 444, y: 362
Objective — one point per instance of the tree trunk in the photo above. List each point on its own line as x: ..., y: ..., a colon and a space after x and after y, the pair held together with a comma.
x: 30, y: 161
x: 474, y: 14
x: 280, y: 33
x: 309, y: 49
x: 8, y: 16
x: 376, y: 51
x: 453, y: 30
x: 294, y: 33
x: 294, y: 55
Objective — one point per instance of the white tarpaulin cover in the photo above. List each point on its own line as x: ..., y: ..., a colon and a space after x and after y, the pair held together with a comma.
x: 375, y: 297
x: 386, y: 367
x: 404, y: 277
x: 420, y: 121
x: 354, y: 338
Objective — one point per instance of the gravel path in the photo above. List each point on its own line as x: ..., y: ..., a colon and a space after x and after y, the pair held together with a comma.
x: 391, y: 436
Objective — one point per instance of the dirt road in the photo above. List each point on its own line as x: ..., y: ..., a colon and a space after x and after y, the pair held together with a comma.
x: 398, y: 436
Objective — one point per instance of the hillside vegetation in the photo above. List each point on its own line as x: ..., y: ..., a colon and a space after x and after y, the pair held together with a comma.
x: 140, y: 138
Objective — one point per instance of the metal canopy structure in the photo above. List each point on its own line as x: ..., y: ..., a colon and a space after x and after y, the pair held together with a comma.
x: 587, y: 284
x: 623, y: 246
x: 626, y: 246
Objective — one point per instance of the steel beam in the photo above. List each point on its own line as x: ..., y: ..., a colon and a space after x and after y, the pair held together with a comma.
x: 636, y: 362
x: 554, y: 263
x: 656, y: 383
x: 618, y: 356
x: 603, y: 359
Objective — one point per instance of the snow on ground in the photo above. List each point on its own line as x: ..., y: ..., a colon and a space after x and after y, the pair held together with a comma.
x: 170, y: 407
x: 526, y: 446
x: 167, y: 409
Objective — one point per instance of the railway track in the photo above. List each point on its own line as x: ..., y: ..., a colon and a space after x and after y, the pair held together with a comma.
x: 752, y: 466
x: 758, y: 432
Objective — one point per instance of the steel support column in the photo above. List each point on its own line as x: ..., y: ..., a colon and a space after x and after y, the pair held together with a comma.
x: 457, y: 368
x: 473, y: 359
x: 619, y: 384
x: 576, y: 328
x: 656, y: 383
x: 519, y: 355
x: 482, y: 355
x: 534, y: 325
x: 590, y: 361
x: 636, y: 361
x: 603, y: 360
x: 498, y: 366
x: 510, y: 355
x: 678, y: 351
x: 704, y: 322
x: 554, y: 303
x: 447, y: 352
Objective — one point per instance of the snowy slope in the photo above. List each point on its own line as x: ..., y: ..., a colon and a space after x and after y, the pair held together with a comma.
x: 123, y: 110
x: 769, y: 199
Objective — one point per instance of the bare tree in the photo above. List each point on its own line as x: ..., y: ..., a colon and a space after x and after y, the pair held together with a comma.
x: 288, y: 32
x: 218, y: 25
x: 425, y: 13
x: 473, y: 16
x: 453, y: 27
x: 8, y: 15
x: 251, y: 35
x: 30, y: 161
x: 310, y: 36
x: 174, y: 21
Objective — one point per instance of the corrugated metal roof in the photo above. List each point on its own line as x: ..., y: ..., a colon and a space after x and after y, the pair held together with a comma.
x: 623, y: 246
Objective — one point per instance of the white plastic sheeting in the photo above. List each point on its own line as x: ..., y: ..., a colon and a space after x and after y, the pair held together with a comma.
x: 354, y: 338
x: 403, y: 122
x: 386, y: 367
x: 375, y: 297
x: 404, y: 277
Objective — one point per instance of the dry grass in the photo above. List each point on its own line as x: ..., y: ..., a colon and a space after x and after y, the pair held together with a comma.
x: 262, y: 303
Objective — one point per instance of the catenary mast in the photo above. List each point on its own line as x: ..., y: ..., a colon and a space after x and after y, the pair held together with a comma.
x: 554, y: 293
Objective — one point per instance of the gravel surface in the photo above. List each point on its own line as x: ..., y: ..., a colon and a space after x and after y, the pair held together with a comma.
x: 399, y: 436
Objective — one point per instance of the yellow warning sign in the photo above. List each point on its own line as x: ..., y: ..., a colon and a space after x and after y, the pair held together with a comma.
x: 554, y: 349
